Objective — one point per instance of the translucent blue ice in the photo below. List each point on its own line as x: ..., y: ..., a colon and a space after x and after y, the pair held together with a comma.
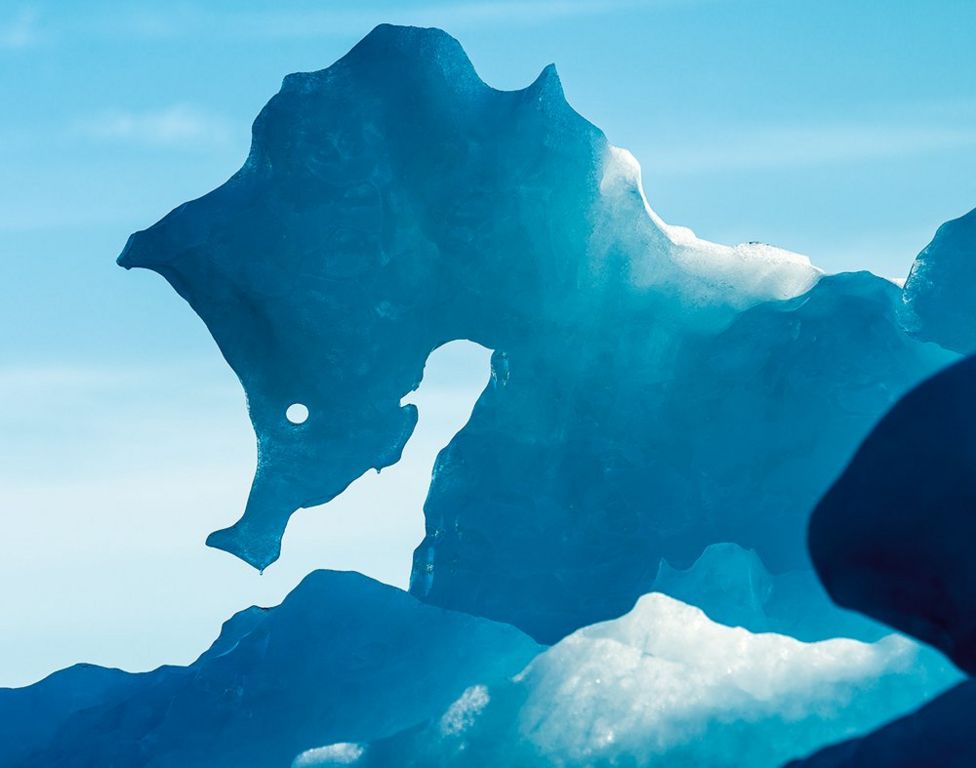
x: 652, y: 393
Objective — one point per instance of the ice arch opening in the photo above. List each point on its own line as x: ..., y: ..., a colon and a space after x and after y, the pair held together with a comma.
x: 375, y: 524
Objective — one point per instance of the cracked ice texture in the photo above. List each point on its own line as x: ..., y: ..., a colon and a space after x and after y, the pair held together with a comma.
x: 651, y: 394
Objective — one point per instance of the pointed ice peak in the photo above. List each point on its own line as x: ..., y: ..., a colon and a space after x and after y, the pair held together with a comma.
x: 548, y: 84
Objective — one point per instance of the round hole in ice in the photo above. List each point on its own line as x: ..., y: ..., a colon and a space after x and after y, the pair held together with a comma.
x: 297, y: 413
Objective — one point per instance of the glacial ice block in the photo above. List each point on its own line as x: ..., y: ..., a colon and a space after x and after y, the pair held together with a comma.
x: 665, y: 686
x: 939, y: 301
x: 652, y: 393
x: 894, y: 536
x: 342, y: 658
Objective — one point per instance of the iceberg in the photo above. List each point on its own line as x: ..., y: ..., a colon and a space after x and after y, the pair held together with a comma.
x: 342, y: 658
x: 664, y: 685
x: 651, y: 393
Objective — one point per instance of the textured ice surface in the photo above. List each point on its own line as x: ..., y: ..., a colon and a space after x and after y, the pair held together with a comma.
x: 666, y: 686
x: 893, y: 537
x: 938, y: 297
x: 651, y: 393
x: 343, y: 658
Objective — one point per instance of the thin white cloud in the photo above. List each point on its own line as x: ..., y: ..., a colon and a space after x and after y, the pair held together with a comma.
x: 450, y: 16
x: 176, y: 126
x: 316, y: 21
x: 20, y: 382
x: 20, y: 31
x: 804, y: 146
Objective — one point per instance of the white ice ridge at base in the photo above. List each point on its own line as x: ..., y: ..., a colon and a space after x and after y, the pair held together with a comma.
x: 664, y: 685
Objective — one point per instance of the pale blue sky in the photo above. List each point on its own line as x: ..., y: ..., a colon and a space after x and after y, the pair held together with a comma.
x: 843, y: 130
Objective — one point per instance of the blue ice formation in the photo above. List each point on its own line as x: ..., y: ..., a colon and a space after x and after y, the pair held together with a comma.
x: 651, y: 393
x: 342, y: 658
x: 665, y: 686
x: 938, y: 298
